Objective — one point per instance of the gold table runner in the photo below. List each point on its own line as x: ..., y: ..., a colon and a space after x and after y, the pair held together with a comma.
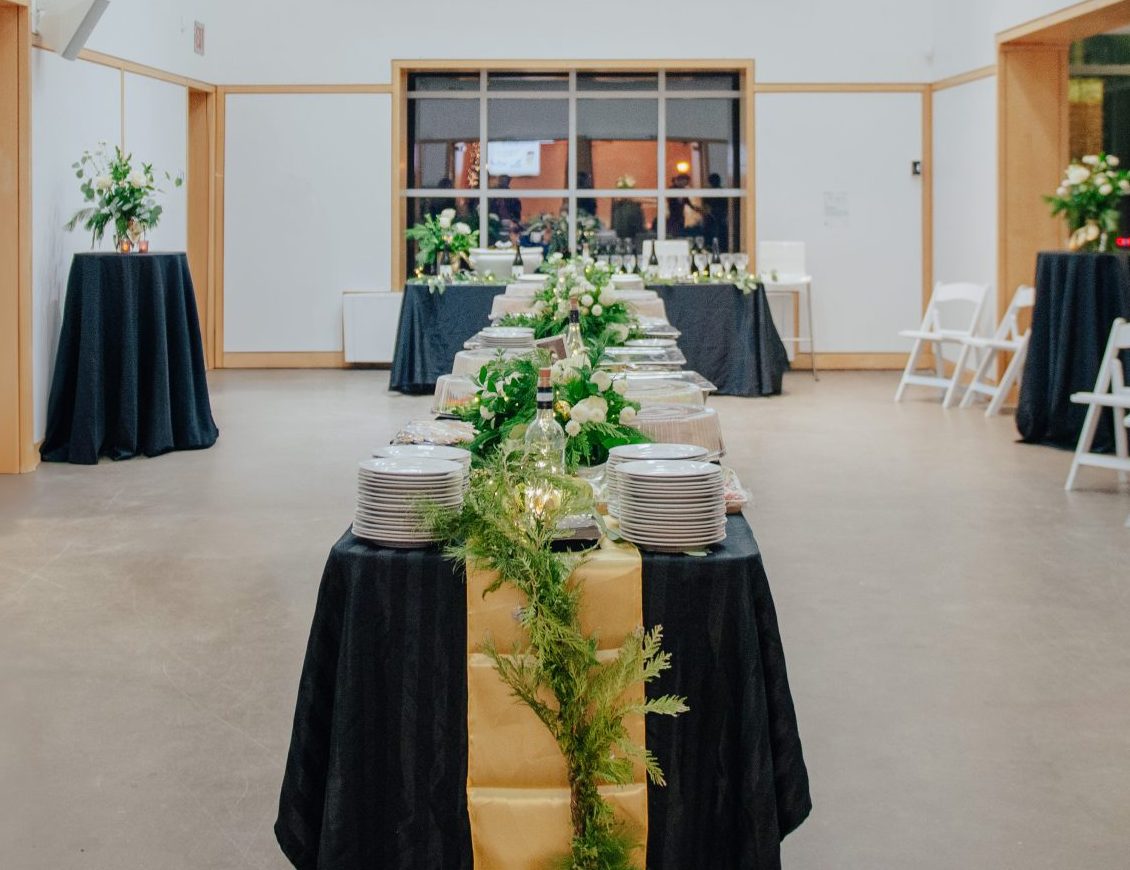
x: 517, y: 787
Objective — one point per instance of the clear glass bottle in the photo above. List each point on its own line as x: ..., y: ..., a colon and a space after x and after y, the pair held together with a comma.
x: 545, y: 439
x: 716, y: 269
x: 574, y: 341
x: 517, y: 267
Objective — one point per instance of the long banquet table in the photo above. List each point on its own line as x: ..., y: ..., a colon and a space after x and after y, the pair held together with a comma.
x: 377, y: 765
x: 728, y: 337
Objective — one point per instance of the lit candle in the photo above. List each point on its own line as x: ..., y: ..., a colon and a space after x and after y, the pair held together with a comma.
x: 143, y: 246
x: 125, y: 246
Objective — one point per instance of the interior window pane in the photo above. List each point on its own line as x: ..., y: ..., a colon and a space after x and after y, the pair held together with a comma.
x: 458, y: 81
x: 706, y: 218
x: 616, y: 143
x: 686, y: 81
x: 617, y: 82
x: 702, y: 137
x: 418, y: 207
x: 622, y: 222
x: 528, y: 149
x: 444, y: 135
x: 544, y: 223
x: 528, y: 82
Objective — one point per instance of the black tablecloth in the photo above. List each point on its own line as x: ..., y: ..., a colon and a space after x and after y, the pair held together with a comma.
x: 1078, y: 296
x: 377, y: 765
x: 129, y: 373
x: 728, y: 337
x: 433, y: 328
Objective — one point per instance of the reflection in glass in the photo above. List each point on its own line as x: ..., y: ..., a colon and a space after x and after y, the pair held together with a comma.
x: 706, y: 217
x: 456, y: 81
x: 527, y: 149
x: 702, y: 141
x: 444, y: 135
x: 624, y: 222
x: 616, y: 143
x: 617, y: 82
x: 528, y: 82
x: 419, y: 207
x: 687, y: 81
x: 544, y: 223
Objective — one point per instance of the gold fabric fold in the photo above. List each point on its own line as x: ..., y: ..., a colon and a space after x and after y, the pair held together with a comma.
x: 517, y: 789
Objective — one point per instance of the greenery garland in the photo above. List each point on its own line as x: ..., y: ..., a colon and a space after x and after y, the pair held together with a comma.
x: 507, y: 524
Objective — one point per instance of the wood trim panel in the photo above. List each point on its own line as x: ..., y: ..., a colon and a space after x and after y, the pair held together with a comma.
x: 512, y: 64
x: 201, y: 179
x: 309, y: 89
x: 927, y: 197
x: 398, y: 271
x: 974, y: 75
x: 840, y: 88
x: 136, y: 68
x: 749, y: 131
x: 1065, y: 26
x: 216, y: 304
x: 851, y: 362
x: 285, y: 360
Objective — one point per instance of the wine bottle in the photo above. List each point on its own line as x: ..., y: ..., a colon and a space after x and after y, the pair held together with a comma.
x: 715, y: 259
x: 574, y: 341
x: 653, y: 260
x: 517, y: 268
x: 545, y: 439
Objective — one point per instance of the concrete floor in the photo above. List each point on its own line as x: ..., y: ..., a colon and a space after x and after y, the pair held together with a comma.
x: 957, y: 629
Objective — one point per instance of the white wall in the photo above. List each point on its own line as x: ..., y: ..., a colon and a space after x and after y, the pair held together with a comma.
x: 74, y: 106
x: 307, y: 215
x: 867, y: 267
x: 289, y: 41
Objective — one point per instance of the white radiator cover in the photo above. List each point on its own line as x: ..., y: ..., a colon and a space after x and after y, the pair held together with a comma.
x: 369, y: 321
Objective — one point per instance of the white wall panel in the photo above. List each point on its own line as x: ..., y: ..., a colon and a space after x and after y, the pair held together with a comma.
x: 818, y: 154
x: 156, y: 126
x: 74, y: 105
x: 307, y: 215
x: 965, y: 184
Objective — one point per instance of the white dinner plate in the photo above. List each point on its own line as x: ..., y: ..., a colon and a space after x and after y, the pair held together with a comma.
x: 668, y: 469
x: 410, y: 467
x: 651, y: 342
x: 430, y: 451
x: 631, y: 452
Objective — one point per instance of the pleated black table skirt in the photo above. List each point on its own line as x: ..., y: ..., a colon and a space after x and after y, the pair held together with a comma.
x: 433, y: 328
x: 728, y: 337
x: 129, y: 373
x: 1078, y: 296
x: 376, y: 773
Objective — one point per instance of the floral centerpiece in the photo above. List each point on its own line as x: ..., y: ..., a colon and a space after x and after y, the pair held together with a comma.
x: 552, y: 231
x: 604, y: 319
x: 442, y: 234
x: 1088, y: 197
x: 588, y: 404
x: 118, y: 194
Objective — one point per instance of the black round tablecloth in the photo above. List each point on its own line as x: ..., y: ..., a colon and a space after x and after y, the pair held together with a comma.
x: 728, y: 336
x: 433, y: 328
x: 1078, y: 297
x: 129, y: 372
x: 377, y: 766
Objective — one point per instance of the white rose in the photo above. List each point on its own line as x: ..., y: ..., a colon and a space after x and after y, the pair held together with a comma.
x: 448, y: 213
x: 486, y: 413
x: 597, y: 311
x: 102, y: 182
x: 572, y: 428
x: 1077, y: 174
x: 1092, y: 232
x: 1124, y: 185
x: 593, y: 409
x: 1111, y: 160
x: 463, y: 229
x: 444, y: 221
x: 1091, y: 160
x: 607, y: 296
x: 136, y: 179
x: 1061, y: 191
x: 621, y: 331
x: 586, y: 300
x: 627, y: 415
x: 1106, y: 190
x: 601, y: 380
x: 620, y: 386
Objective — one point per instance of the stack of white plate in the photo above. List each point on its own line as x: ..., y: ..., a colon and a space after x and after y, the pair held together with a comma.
x: 651, y: 342
x: 508, y: 337
x: 671, y: 505
x: 617, y: 456
x: 389, y: 494
x: 427, y: 451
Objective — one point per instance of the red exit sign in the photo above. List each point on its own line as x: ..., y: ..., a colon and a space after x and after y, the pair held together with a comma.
x: 1123, y: 242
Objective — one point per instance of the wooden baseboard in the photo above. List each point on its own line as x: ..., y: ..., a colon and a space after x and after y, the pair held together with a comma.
x: 333, y: 359
x: 851, y: 361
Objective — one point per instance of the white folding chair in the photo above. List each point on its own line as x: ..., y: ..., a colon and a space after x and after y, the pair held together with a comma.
x: 1111, y: 392
x: 933, y: 332
x: 786, y: 259
x: 1007, y: 338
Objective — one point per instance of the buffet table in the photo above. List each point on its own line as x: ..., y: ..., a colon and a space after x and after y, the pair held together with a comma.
x: 433, y: 328
x: 129, y: 372
x: 727, y: 336
x: 1078, y: 297
x: 377, y: 765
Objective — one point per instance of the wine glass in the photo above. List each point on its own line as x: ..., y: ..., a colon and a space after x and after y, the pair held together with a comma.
x: 617, y: 260
x: 701, y: 261
x: 727, y: 263
x: 741, y: 261
x: 629, y: 262
x: 700, y: 243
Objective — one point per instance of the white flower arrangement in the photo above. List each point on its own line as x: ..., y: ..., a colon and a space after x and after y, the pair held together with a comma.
x: 1088, y: 198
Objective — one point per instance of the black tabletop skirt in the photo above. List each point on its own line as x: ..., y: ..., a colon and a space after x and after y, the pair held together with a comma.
x: 433, y: 328
x: 378, y: 756
x: 1078, y: 296
x: 728, y: 337
x: 129, y: 373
